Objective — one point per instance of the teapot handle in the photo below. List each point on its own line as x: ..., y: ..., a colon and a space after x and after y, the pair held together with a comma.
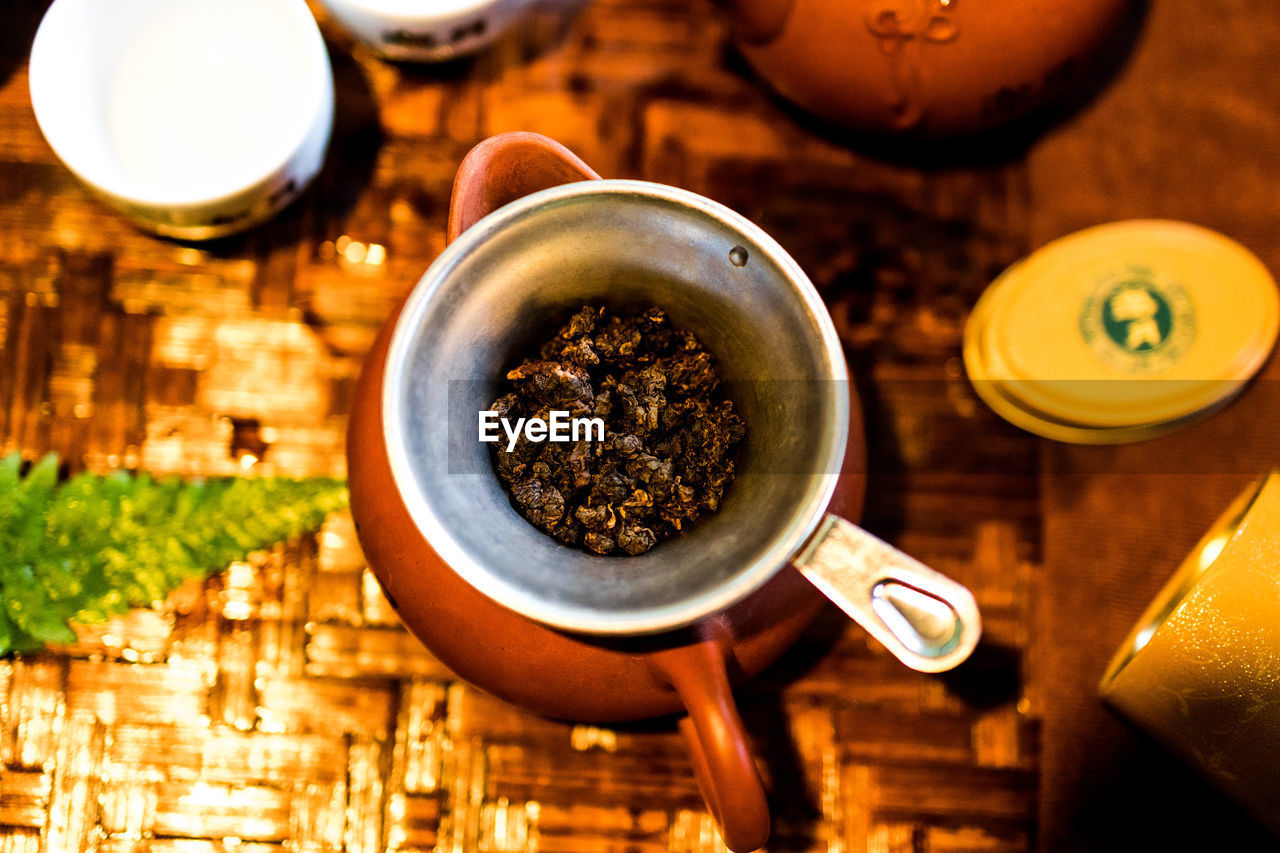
x: 718, y: 749
x: 506, y: 167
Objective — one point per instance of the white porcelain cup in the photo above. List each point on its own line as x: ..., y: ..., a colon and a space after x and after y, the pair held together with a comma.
x: 426, y: 30
x: 196, y: 118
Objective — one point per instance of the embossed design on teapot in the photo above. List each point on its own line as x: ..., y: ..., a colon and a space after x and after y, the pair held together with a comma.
x: 903, y: 29
x: 931, y: 69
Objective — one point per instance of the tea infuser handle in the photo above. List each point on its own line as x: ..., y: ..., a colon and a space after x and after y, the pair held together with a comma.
x: 927, y: 620
x: 718, y: 749
x: 506, y: 167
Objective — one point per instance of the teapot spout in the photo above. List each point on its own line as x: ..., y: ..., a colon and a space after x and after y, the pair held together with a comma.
x: 757, y: 22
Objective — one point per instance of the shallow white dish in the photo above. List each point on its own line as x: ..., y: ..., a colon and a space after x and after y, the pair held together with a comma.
x: 196, y: 119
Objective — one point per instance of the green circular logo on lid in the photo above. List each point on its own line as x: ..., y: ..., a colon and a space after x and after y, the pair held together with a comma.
x: 1138, y: 322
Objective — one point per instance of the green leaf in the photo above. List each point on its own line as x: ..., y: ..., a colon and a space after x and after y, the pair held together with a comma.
x: 30, y: 608
x: 94, y: 545
x: 6, y: 629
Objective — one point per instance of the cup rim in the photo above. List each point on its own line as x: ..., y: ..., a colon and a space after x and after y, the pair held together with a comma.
x: 805, y: 520
x: 410, y: 12
x: 1199, y: 561
x: 45, y: 81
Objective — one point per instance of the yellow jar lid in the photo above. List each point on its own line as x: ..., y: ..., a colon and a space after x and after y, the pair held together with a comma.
x: 1122, y: 331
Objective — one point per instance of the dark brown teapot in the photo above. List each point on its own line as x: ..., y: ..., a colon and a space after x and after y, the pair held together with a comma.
x: 534, y: 233
x: 924, y: 67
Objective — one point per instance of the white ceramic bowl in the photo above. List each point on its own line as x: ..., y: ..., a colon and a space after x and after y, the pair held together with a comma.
x: 197, y: 119
x: 426, y: 30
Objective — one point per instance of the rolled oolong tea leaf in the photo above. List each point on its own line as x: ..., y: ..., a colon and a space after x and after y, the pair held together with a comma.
x: 93, y: 546
x: 669, y: 438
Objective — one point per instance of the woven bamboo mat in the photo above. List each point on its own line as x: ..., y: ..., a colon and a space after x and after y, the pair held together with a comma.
x: 280, y: 706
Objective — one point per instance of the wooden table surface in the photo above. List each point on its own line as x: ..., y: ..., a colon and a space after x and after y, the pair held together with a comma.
x: 311, y: 721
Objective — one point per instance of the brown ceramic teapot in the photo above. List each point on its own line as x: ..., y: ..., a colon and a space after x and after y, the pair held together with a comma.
x: 534, y: 234
x: 924, y: 67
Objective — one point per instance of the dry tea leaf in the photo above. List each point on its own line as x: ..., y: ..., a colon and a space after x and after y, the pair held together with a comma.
x: 669, y: 436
